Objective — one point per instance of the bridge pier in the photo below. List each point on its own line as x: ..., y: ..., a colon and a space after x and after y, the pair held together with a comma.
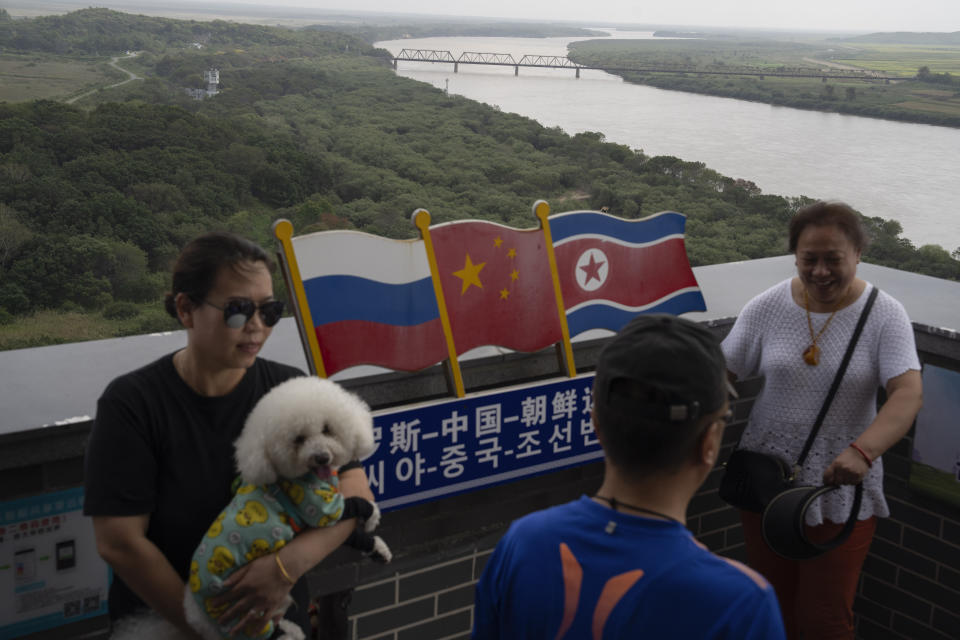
x: 394, y: 64
x: 456, y: 66
x: 516, y: 70
x: 578, y: 72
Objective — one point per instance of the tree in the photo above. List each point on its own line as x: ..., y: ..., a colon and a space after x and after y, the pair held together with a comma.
x: 936, y: 261
x: 13, y: 299
x: 276, y: 185
x: 13, y: 234
x: 79, y: 269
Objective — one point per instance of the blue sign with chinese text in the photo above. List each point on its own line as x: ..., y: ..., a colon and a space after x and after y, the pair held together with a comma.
x: 436, y: 450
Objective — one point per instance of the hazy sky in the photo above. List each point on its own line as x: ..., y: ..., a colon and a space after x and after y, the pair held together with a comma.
x: 847, y: 15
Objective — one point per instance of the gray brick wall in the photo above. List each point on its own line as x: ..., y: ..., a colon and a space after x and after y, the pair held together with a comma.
x: 910, y: 587
x: 431, y: 603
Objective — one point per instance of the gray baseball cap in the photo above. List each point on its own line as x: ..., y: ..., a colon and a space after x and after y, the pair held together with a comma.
x: 676, y: 365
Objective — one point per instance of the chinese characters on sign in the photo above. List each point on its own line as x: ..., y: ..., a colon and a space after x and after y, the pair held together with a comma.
x: 431, y: 451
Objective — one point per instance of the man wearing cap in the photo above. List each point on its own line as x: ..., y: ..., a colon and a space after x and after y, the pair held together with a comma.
x: 622, y: 564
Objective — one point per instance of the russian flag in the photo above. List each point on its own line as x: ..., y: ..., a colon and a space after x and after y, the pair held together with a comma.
x: 612, y: 269
x: 371, y: 300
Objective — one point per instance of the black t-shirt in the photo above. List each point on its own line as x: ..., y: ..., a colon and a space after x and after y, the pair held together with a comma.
x: 159, y: 448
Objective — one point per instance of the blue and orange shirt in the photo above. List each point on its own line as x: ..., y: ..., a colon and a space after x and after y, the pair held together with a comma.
x: 584, y: 571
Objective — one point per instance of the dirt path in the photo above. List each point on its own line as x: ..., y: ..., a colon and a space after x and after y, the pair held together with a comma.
x: 113, y: 63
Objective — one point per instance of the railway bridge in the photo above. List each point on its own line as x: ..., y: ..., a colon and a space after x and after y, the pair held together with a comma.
x: 562, y: 62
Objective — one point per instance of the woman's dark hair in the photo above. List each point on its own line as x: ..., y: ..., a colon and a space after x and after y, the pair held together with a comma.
x: 827, y: 213
x: 195, y: 270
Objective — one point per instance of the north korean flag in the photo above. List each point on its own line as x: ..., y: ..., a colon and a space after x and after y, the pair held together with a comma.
x: 612, y: 269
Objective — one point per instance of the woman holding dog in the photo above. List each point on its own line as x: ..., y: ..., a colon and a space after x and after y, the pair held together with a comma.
x: 159, y: 463
x: 795, y: 335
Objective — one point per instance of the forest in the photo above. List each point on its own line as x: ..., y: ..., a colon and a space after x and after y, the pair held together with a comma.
x: 96, y: 198
x: 104, y: 32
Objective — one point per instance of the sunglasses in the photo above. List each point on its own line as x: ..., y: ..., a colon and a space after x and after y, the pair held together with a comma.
x: 237, y: 312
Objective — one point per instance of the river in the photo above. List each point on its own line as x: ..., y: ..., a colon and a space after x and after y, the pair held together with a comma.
x: 896, y: 170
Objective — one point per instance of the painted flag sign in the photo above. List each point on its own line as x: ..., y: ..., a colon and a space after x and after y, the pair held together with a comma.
x: 409, y: 304
x: 611, y: 269
x: 437, y: 449
x: 497, y: 285
x: 371, y: 300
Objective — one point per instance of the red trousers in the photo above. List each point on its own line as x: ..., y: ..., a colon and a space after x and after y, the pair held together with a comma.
x: 816, y: 595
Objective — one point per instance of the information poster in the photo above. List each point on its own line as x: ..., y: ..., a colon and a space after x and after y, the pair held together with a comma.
x: 50, y: 573
x: 936, y: 445
x: 442, y: 448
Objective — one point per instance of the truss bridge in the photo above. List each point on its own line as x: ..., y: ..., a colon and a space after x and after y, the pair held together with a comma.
x: 494, y: 59
x: 561, y: 62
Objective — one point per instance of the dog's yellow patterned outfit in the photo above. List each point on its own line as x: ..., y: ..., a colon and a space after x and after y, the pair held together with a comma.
x: 260, y: 520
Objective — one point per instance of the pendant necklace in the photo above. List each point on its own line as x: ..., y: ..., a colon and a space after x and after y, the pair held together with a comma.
x: 614, y: 503
x: 812, y: 353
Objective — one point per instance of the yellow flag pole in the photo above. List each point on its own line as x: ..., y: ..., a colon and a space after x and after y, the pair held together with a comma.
x: 421, y: 219
x: 283, y: 230
x: 542, y: 210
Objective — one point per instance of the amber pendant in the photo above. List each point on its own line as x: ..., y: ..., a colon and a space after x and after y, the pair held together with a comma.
x: 812, y: 355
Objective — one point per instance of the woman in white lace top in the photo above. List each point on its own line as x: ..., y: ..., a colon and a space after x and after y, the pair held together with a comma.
x: 794, y: 335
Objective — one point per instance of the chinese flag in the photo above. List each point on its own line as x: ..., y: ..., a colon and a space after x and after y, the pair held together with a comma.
x: 497, y: 285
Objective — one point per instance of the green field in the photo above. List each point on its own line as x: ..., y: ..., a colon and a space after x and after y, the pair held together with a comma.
x: 40, y: 76
x: 937, y: 483
x: 900, y: 59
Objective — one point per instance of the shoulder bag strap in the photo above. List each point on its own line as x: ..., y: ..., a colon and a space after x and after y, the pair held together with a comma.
x: 836, y: 380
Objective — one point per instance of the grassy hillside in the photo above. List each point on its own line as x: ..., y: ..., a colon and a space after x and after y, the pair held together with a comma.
x: 38, y: 75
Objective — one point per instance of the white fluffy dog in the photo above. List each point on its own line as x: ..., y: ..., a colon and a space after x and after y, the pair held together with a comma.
x: 293, y: 441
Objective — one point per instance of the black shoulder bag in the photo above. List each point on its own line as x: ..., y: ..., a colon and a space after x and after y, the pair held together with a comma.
x: 752, y: 479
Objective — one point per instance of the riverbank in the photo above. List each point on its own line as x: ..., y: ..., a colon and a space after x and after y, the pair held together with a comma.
x: 892, y: 170
x: 928, y: 93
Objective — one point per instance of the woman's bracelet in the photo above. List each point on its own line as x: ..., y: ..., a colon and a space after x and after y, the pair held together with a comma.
x: 283, y: 570
x: 863, y: 453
